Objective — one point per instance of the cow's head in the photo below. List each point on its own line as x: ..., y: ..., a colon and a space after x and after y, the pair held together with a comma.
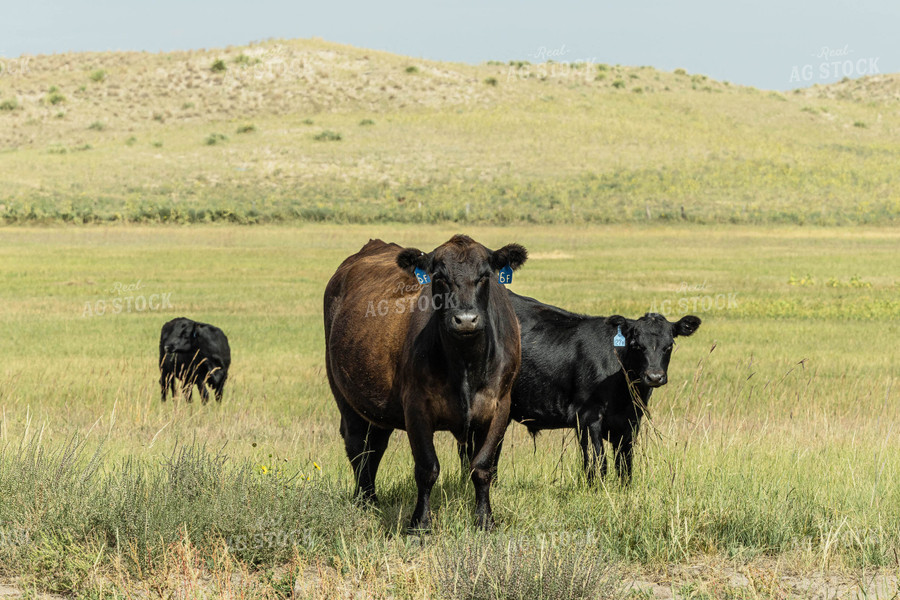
x: 182, y: 337
x: 210, y: 353
x: 463, y: 273
x: 648, y: 344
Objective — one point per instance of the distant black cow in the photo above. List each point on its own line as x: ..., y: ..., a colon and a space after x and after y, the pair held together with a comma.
x: 197, y: 354
x: 575, y: 373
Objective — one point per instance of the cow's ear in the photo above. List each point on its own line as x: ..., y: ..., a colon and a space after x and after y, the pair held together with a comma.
x: 513, y: 255
x: 411, y: 259
x: 617, y: 321
x: 687, y: 325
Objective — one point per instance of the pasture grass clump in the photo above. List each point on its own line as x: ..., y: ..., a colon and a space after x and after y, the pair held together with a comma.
x: 54, y: 97
x: 249, y: 128
x: 9, y: 104
x: 502, y: 567
x: 216, y: 138
x: 98, y: 75
x: 492, y: 81
x: 412, y: 69
x: 218, y: 66
x: 366, y: 122
x: 97, y: 126
x: 328, y: 136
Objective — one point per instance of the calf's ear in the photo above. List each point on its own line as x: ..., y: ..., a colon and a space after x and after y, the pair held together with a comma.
x: 513, y: 255
x: 411, y: 259
x: 687, y: 325
x: 616, y: 321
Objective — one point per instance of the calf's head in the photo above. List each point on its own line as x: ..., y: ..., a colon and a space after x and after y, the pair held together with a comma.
x: 181, y: 338
x: 648, y: 344
x: 463, y: 273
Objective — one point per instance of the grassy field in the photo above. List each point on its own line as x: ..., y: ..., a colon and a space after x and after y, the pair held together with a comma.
x: 309, y: 131
x: 770, y: 469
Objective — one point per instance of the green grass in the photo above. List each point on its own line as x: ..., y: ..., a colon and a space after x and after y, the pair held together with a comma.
x: 773, y: 443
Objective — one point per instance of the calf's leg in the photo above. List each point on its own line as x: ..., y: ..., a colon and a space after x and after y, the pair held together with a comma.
x: 623, y: 447
x: 219, y: 389
x: 165, y: 380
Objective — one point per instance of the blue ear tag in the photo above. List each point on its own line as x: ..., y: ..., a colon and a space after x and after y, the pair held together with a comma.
x: 505, y: 275
x: 619, y: 340
x: 422, y: 277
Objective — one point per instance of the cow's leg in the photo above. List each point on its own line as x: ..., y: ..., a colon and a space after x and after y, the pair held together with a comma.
x: 466, y: 451
x: 164, y: 380
x: 204, y: 393
x: 365, y: 445
x: 624, y: 452
x: 187, y: 386
x: 496, y: 467
x: 484, y: 465
x: 421, y: 441
x: 601, y: 457
x: 219, y: 389
x: 592, y: 451
x: 201, y: 376
x: 467, y: 455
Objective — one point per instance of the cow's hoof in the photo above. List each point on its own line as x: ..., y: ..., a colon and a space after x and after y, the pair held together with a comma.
x: 419, y: 526
x: 485, y: 522
x: 418, y: 529
x: 366, y: 500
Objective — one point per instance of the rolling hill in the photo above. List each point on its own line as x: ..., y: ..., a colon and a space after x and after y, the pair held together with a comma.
x: 307, y: 130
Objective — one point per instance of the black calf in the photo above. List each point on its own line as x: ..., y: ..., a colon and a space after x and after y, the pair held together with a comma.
x: 197, y: 354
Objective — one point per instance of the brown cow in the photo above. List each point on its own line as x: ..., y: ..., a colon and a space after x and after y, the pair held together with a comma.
x: 436, y: 357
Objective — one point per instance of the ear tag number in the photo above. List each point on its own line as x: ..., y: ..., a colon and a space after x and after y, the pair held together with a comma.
x: 505, y: 275
x: 619, y: 340
x: 422, y: 277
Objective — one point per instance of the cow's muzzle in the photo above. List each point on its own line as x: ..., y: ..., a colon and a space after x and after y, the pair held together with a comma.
x: 655, y: 378
x: 466, y: 323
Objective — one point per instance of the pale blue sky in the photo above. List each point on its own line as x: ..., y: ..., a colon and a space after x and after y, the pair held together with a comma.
x: 749, y: 42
